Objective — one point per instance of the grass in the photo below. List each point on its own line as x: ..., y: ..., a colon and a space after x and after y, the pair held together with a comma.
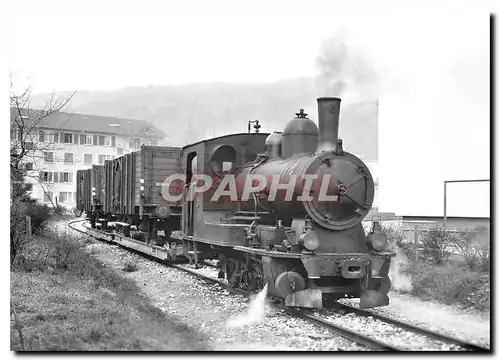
x: 66, y: 299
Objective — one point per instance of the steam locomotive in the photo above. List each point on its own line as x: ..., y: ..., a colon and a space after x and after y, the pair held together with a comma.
x: 282, y: 209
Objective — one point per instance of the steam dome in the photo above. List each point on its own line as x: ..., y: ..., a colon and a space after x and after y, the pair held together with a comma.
x: 299, y: 136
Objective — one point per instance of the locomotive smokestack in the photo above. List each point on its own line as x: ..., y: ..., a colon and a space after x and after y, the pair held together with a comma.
x: 328, y: 123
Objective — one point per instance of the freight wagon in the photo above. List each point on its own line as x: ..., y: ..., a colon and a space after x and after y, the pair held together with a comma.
x: 132, y: 197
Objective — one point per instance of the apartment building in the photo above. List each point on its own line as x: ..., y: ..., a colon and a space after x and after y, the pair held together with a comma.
x: 64, y: 142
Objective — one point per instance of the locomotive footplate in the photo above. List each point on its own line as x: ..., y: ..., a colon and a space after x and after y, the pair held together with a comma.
x: 347, y: 265
x: 370, y: 269
x: 363, y: 275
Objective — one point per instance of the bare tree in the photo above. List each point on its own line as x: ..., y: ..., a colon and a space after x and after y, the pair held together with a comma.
x: 148, y: 134
x: 24, y: 147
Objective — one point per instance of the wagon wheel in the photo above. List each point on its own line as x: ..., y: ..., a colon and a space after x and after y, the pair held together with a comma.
x: 232, y: 274
x: 249, y: 281
x: 126, y: 231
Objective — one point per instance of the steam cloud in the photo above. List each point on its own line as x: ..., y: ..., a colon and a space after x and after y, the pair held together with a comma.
x: 343, y: 71
x: 255, y: 313
x: 400, y: 281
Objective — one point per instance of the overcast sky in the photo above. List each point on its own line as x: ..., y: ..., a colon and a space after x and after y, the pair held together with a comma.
x: 433, y: 69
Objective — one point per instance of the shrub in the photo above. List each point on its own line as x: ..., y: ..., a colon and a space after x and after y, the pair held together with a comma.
x: 451, y: 285
x: 40, y: 214
x: 65, y: 252
x: 435, y: 245
x: 59, y: 210
x: 18, y: 230
x: 473, y: 247
x: 397, y: 242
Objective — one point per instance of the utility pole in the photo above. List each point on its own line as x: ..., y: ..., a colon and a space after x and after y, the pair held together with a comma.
x: 456, y: 181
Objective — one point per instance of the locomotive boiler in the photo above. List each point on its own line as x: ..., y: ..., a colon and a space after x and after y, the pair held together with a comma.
x: 332, y: 187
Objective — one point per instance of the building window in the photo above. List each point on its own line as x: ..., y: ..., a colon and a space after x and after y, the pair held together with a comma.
x: 120, y: 151
x: 29, y: 166
x: 68, y: 158
x: 28, y: 145
x: 104, y: 140
x: 68, y: 138
x: 46, y: 177
x: 135, y: 143
x: 89, y: 139
x: 48, y: 157
x: 65, y: 197
x: 44, y: 136
x: 29, y: 187
x: 65, y: 177
x: 103, y: 157
x: 47, y: 196
x: 87, y: 159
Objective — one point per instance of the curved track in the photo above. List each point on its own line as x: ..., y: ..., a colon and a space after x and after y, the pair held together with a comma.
x: 358, y: 337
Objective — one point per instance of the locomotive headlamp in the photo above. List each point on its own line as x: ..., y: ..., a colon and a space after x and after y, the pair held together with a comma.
x: 309, y: 240
x: 378, y: 241
x: 163, y: 211
x: 377, y: 237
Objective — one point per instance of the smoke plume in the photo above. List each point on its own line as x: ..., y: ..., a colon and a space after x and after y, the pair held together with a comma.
x: 345, y: 72
x: 255, y: 313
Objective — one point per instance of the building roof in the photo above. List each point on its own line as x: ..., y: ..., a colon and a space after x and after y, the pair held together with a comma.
x: 442, y: 217
x: 91, y: 123
x: 373, y: 214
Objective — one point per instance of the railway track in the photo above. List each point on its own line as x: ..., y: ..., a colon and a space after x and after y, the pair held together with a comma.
x: 411, y: 328
x: 322, y: 318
